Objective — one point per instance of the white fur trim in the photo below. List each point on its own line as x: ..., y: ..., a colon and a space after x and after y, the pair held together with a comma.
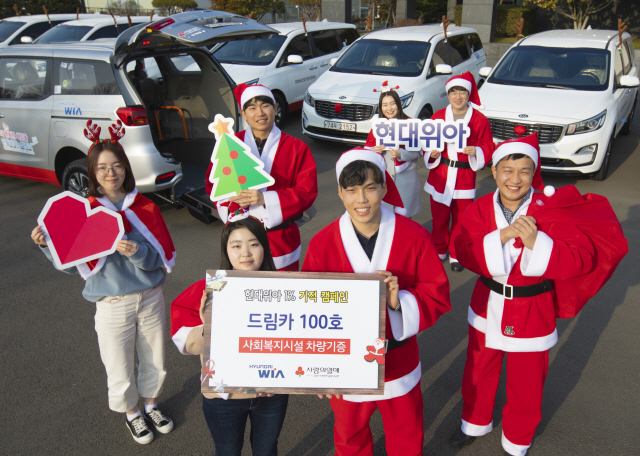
x: 394, y: 388
x: 457, y: 82
x: 273, y: 209
x: 549, y: 190
x: 512, y: 448
x: 366, y: 155
x: 287, y: 259
x: 474, y: 430
x: 442, y: 256
x: 406, y: 322
x: 402, y: 166
x: 270, y: 148
x: 223, y: 211
x: 358, y: 259
x: 255, y: 91
x: 477, y: 321
x: 477, y: 162
x: 180, y: 338
x: 464, y: 194
x: 515, y: 147
x: 493, y: 254
x: 433, y: 164
x: 534, y: 262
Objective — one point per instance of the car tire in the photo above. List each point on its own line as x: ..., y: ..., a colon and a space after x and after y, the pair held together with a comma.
x: 627, y: 125
x: 282, y: 110
x: 425, y: 113
x: 75, y: 178
x: 601, y: 174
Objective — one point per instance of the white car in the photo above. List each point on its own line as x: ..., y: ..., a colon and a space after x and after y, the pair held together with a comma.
x: 99, y: 26
x: 341, y: 105
x: 576, y: 88
x: 289, y: 62
x: 25, y: 29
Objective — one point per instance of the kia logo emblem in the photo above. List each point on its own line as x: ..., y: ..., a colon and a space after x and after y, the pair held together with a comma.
x: 343, y: 97
x: 523, y: 116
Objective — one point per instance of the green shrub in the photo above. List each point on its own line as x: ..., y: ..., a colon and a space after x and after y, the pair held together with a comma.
x: 458, y: 15
x: 508, y: 16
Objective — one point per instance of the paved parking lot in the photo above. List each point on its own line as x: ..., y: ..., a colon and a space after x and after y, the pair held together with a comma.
x: 53, y: 391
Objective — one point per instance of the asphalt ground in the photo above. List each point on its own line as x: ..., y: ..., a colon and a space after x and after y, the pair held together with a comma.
x: 53, y: 389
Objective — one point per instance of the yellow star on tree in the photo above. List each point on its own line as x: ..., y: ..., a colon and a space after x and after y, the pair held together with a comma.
x: 221, y: 125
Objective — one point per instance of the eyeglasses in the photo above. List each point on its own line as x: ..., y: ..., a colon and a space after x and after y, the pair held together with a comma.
x: 103, y: 171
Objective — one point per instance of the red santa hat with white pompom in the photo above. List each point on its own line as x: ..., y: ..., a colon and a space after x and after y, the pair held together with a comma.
x: 529, y: 146
x: 244, y: 92
x: 466, y: 81
x: 392, y: 197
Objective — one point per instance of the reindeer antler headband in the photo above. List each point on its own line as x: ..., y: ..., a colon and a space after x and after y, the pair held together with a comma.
x: 92, y: 133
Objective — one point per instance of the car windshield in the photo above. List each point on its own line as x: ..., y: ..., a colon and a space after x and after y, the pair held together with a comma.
x: 63, y: 33
x: 7, y: 28
x: 558, y: 68
x: 389, y: 58
x: 250, y: 52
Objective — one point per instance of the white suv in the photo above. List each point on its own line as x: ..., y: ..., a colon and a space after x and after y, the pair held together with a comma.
x: 576, y: 88
x: 25, y: 29
x: 342, y: 105
x: 289, y: 62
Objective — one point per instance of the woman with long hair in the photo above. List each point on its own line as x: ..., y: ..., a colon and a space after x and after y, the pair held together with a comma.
x: 402, y: 165
x: 245, y: 247
x: 127, y: 288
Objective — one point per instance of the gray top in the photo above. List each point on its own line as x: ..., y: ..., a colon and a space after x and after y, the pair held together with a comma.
x: 120, y: 274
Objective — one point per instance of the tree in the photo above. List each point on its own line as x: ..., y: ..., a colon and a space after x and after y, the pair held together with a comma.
x: 312, y: 9
x: 245, y: 7
x: 166, y: 6
x: 35, y: 6
x: 578, y: 11
x: 124, y: 7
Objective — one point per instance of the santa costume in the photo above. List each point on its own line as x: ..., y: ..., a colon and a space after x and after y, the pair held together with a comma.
x: 520, y: 293
x: 403, y: 170
x: 423, y: 296
x: 289, y: 161
x: 452, y: 176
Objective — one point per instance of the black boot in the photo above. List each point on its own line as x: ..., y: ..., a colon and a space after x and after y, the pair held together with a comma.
x: 459, y: 439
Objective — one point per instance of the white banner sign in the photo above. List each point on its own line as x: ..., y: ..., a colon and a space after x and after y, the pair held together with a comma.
x: 416, y: 135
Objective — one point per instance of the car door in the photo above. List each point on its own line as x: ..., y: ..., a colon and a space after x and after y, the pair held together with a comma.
x: 25, y: 114
x: 624, y: 97
x: 478, y: 59
x: 326, y: 46
x: 298, y: 76
x: 436, y: 95
x: 459, y: 54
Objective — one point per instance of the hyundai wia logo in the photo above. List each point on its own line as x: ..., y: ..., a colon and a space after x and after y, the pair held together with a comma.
x: 523, y: 116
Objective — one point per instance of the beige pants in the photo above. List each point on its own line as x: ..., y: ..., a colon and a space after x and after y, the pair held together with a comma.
x: 126, y: 323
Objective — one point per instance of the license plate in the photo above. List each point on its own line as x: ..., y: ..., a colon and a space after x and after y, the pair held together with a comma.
x: 340, y: 126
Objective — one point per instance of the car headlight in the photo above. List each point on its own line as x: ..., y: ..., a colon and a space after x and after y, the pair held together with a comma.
x: 588, y: 125
x: 406, y: 100
x: 252, y: 82
x: 309, y: 99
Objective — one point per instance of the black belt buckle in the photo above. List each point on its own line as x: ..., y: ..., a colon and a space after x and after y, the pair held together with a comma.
x: 508, y: 288
x: 452, y: 163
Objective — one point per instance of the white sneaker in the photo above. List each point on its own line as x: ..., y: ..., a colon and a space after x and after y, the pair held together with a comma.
x: 139, y: 430
x: 160, y: 421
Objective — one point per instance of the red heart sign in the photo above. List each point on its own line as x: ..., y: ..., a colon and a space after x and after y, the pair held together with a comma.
x: 75, y: 233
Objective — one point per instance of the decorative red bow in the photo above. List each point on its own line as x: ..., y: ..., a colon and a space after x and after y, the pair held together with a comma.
x: 207, y: 371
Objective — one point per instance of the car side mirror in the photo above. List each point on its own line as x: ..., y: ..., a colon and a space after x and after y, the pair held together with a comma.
x: 294, y: 59
x: 333, y: 61
x: 443, y: 68
x: 484, y: 71
x: 629, y: 82
x: 26, y: 40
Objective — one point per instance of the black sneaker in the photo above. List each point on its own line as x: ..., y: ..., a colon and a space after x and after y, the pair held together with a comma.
x: 139, y: 430
x: 160, y: 421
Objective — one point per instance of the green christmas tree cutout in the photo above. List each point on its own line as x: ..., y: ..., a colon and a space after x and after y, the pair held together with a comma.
x: 234, y: 167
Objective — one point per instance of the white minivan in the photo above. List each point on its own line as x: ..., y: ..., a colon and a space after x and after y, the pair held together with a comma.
x: 576, y: 88
x: 341, y: 105
x: 289, y: 62
x: 98, y: 27
x: 25, y: 29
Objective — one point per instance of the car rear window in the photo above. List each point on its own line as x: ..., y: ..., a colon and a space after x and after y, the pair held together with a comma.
x: 250, y: 52
x: 325, y: 42
x: 390, y: 58
x: 475, y: 43
x: 347, y: 36
x: 8, y: 28
x: 84, y: 77
x: 563, y: 68
x: 63, y: 33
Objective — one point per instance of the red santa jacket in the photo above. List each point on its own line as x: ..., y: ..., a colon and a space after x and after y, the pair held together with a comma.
x: 289, y: 161
x: 424, y: 286
x: 561, y: 252
x: 446, y: 183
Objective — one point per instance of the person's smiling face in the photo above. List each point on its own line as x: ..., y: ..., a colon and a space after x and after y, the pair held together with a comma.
x: 459, y: 98
x: 514, y: 179
x: 244, y: 250
x: 363, y: 202
x: 110, y: 173
x: 389, y: 107
x: 260, y: 116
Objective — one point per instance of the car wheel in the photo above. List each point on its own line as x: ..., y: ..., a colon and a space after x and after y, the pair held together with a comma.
x: 627, y: 125
x: 425, y: 113
x: 604, y: 168
x: 281, y: 115
x: 75, y: 178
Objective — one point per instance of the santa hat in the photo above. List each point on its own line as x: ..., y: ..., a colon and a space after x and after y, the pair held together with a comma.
x: 393, y: 196
x: 245, y: 92
x: 467, y: 81
x: 527, y: 145
x: 235, y: 211
x: 386, y: 88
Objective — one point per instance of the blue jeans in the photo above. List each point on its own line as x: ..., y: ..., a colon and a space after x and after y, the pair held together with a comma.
x: 227, y: 420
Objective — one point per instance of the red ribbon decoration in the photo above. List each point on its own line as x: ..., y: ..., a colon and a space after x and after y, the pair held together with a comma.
x: 125, y: 222
x: 207, y: 371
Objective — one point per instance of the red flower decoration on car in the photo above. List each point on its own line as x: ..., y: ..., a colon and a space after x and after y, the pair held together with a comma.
x: 299, y: 372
